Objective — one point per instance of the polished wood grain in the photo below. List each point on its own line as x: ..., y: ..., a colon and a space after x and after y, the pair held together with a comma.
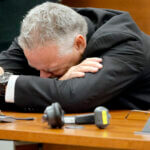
x: 119, y: 134
x: 139, y: 9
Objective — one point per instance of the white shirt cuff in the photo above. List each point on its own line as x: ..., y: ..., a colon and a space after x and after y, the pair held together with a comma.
x: 10, y: 89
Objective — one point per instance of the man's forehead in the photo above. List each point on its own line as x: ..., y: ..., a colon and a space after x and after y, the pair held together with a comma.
x: 41, y: 59
x: 39, y: 65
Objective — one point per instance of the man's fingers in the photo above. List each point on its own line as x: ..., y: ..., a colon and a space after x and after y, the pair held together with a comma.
x: 96, y: 59
x: 72, y: 75
x: 92, y: 64
x: 1, y: 71
x: 77, y: 74
x: 85, y: 69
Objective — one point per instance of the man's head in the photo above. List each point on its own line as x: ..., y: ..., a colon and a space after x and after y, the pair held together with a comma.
x: 53, y: 37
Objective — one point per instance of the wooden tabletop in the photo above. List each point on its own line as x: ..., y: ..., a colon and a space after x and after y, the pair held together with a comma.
x: 120, y: 134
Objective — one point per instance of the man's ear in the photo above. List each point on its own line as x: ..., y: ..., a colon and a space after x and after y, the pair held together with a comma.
x: 80, y: 43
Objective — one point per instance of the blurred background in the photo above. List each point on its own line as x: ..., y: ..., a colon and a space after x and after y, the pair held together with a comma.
x: 11, y: 15
x: 139, y: 9
x: 12, y: 12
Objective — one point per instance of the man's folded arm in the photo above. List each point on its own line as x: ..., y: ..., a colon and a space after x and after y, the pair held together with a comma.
x: 81, y: 94
x: 122, y: 65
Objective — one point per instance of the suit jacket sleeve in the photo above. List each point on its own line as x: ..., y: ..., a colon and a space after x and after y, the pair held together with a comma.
x: 123, y: 63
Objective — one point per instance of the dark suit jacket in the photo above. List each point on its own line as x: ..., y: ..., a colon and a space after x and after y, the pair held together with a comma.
x: 124, y: 81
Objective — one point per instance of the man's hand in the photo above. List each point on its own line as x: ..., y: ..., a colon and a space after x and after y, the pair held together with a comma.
x: 88, y: 65
x: 1, y: 71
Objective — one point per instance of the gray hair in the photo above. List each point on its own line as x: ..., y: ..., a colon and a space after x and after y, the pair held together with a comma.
x: 51, y: 22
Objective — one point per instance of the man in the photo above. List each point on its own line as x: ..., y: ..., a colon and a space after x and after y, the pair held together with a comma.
x: 65, y: 48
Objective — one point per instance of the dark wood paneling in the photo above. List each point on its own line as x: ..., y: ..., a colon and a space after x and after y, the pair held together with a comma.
x: 139, y: 9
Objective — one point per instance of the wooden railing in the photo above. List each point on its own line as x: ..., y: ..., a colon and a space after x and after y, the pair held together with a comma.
x: 139, y: 9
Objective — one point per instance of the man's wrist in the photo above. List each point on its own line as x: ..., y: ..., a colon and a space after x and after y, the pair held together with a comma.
x: 3, y: 82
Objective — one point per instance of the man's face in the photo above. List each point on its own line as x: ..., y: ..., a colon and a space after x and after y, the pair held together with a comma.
x: 48, y: 61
